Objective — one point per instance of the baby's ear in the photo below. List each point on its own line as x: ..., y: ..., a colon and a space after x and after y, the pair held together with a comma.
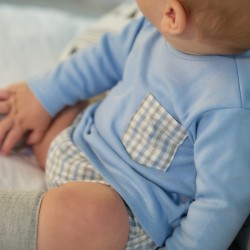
x: 173, y: 18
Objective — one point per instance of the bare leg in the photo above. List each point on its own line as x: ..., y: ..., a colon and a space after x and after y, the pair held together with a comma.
x: 80, y: 215
x: 75, y: 216
x: 61, y: 121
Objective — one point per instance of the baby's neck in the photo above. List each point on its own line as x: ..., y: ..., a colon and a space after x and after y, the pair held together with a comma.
x: 190, y: 42
x: 195, y: 47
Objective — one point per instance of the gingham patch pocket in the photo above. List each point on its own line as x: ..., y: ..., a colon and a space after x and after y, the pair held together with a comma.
x: 153, y: 135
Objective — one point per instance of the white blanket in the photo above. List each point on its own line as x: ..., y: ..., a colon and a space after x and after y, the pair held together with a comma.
x: 31, y: 41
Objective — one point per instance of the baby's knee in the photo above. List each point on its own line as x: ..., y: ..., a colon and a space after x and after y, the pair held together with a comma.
x: 83, y: 215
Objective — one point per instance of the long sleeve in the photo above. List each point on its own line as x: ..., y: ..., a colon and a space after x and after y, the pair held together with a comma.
x: 222, y: 201
x: 87, y: 73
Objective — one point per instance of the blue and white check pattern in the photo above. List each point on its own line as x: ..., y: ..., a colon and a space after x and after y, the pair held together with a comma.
x: 153, y: 135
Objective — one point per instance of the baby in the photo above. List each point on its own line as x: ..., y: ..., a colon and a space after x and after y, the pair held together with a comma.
x: 163, y: 161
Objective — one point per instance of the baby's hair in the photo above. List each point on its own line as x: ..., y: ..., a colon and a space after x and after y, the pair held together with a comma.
x: 223, y: 22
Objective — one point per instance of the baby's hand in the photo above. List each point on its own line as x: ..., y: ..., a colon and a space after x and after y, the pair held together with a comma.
x: 23, y: 114
x: 4, y: 106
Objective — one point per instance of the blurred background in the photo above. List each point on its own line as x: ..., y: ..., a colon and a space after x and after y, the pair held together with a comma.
x: 92, y: 8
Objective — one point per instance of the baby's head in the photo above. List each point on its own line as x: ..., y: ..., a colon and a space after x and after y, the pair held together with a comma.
x: 201, y: 26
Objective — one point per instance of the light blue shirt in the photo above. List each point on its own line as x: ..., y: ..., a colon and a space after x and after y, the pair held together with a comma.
x: 172, y: 137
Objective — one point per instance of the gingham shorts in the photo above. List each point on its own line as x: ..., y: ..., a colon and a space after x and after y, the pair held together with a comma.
x: 66, y: 163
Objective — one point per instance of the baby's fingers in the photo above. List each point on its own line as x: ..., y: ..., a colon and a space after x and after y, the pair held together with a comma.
x: 4, y: 107
x: 11, y: 139
x: 35, y: 137
x: 4, y: 94
x: 5, y: 125
x: 4, y: 103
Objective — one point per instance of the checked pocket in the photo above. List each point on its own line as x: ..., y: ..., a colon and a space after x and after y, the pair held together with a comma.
x: 153, y: 135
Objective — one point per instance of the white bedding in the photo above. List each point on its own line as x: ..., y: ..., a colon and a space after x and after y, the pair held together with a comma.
x: 32, y: 40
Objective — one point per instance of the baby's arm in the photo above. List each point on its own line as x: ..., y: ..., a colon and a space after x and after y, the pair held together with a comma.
x: 23, y: 114
x: 90, y: 72
x: 222, y: 201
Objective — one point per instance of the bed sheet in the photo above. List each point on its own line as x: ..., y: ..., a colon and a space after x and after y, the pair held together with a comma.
x: 32, y: 40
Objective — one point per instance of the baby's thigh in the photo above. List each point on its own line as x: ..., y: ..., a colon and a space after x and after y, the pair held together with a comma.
x: 82, y: 215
